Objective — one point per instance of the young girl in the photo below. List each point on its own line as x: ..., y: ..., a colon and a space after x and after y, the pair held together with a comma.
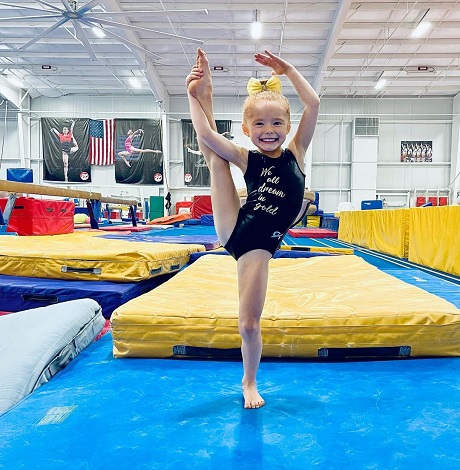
x: 275, y: 183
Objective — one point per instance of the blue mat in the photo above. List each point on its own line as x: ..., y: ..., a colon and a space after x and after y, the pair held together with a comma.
x: 102, y: 412
x: 193, y: 234
x: 186, y: 230
x: 22, y: 293
x: 445, y: 289
x: 210, y: 242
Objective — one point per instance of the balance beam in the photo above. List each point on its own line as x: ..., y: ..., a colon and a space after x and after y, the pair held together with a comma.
x: 14, y: 187
x: 29, y: 188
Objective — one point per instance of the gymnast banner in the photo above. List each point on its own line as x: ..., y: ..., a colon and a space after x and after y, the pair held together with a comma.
x: 196, y: 172
x: 65, y: 149
x: 138, y: 151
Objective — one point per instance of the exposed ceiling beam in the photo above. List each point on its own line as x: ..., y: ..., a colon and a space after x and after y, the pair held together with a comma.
x: 338, y: 22
x: 157, y: 87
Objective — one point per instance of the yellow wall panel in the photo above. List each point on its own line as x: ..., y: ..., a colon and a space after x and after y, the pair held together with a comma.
x: 362, y: 228
x: 356, y: 227
x: 434, y: 238
x: 390, y: 232
x: 346, y: 227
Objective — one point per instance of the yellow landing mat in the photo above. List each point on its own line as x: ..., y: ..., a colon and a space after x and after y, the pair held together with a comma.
x: 86, y: 256
x: 351, y: 304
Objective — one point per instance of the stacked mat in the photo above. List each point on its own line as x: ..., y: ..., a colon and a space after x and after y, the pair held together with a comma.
x: 351, y: 308
x: 86, y: 256
x: 39, y: 271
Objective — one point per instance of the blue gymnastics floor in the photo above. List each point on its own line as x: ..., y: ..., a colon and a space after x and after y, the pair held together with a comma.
x: 102, y: 412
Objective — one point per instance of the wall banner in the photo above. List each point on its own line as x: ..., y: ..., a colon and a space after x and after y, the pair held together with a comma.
x: 138, y: 151
x: 196, y: 172
x: 65, y: 149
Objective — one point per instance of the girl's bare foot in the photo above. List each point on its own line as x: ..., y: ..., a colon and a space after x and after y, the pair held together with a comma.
x: 202, y: 71
x: 252, y: 399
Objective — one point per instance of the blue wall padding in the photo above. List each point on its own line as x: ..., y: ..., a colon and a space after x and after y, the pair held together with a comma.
x: 207, y: 219
x: 372, y: 204
x: 22, y: 175
x: 331, y: 223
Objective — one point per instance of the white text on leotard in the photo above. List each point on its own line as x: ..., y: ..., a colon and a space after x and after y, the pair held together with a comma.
x: 265, y: 188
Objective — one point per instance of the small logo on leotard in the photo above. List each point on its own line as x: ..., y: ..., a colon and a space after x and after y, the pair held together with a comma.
x: 277, y: 235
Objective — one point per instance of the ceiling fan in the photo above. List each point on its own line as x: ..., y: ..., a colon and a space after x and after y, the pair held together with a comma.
x: 86, y: 16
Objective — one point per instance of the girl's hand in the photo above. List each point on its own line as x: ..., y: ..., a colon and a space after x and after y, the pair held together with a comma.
x: 278, y: 65
x: 195, y: 74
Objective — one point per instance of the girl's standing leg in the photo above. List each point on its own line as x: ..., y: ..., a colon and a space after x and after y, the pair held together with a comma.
x: 252, y: 288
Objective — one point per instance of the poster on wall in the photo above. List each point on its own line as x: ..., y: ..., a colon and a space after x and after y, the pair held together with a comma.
x: 196, y: 171
x: 65, y: 150
x: 416, y: 151
x: 138, y: 151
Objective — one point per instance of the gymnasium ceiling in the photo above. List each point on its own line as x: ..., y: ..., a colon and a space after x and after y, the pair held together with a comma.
x: 342, y: 46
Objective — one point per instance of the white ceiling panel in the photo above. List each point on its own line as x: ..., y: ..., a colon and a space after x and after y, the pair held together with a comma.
x: 343, y: 47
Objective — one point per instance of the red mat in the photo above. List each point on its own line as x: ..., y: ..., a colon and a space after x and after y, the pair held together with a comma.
x: 306, y: 232
x: 202, y: 205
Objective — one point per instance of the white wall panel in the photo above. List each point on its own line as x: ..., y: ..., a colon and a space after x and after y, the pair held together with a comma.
x: 331, y: 151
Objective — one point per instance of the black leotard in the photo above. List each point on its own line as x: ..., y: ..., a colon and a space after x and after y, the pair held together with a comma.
x: 275, y: 195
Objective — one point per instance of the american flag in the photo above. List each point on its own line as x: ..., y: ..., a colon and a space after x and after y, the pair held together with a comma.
x: 101, y: 139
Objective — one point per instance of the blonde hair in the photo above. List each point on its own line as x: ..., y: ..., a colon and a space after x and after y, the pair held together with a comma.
x: 252, y: 100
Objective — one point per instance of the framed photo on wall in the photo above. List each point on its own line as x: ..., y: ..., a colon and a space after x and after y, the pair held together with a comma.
x: 413, y: 151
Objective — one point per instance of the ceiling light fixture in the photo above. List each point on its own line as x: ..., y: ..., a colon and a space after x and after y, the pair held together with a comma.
x: 220, y: 68
x: 256, y: 28
x: 135, y: 82
x: 419, y: 69
x: 421, y: 29
x: 422, y: 26
x: 98, y: 32
x: 380, y: 84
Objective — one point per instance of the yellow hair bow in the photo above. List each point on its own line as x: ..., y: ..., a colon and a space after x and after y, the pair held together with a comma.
x: 256, y: 86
